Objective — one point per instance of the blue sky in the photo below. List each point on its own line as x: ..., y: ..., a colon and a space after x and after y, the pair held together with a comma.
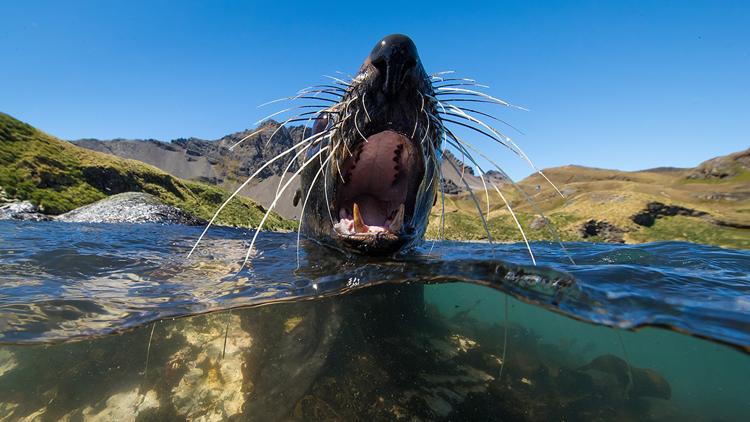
x: 614, y: 84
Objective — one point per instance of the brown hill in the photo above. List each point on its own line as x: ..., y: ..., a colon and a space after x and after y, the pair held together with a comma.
x: 619, y: 206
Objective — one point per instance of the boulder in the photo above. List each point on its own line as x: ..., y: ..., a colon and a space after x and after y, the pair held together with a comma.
x: 130, y: 207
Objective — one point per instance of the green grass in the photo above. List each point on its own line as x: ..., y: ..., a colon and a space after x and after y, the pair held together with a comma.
x: 462, y: 223
x: 460, y: 226
x: 58, y: 177
x: 695, y: 230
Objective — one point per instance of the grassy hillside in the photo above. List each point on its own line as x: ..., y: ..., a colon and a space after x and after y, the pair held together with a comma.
x: 603, y: 205
x: 59, y: 176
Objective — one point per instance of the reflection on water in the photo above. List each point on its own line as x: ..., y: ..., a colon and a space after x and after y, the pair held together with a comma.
x: 376, y: 343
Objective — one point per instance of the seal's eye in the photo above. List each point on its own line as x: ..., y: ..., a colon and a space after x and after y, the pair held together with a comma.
x: 321, y: 124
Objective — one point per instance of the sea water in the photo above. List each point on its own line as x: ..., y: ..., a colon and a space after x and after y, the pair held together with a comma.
x: 114, y: 322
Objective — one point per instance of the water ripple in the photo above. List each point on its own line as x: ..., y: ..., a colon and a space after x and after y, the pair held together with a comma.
x: 60, y: 281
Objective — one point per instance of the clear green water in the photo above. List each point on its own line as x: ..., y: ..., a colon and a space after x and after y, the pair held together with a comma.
x: 708, y: 381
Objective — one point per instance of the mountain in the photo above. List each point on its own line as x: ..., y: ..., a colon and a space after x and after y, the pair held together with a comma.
x: 58, y: 176
x: 226, y: 163
x: 709, y: 203
x: 706, y: 204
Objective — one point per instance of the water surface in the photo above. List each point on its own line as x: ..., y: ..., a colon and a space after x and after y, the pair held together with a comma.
x: 100, y: 319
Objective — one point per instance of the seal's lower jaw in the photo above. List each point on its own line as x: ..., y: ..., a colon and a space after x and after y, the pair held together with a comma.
x: 376, y: 200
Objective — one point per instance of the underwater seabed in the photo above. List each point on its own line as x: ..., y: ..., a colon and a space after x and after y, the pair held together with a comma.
x: 375, y: 355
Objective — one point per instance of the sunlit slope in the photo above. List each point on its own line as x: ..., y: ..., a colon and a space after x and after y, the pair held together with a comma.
x: 697, y: 205
x: 59, y: 176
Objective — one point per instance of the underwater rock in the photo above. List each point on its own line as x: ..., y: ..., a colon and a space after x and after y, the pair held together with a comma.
x: 614, y: 374
x: 295, y: 346
x: 7, y: 361
x: 23, y: 210
x: 212, y: 387
x: 372, y: 354
x: 130, y: 207
x: 126, y: 406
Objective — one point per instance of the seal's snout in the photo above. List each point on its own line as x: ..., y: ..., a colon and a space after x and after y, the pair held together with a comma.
x: 395, y: 57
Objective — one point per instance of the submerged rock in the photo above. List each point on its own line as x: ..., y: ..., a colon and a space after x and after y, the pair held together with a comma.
x: 130, y: 207
x: 373, y: 354
x: 634, y: 382
x: 212, y: 387
x: 125, y: 406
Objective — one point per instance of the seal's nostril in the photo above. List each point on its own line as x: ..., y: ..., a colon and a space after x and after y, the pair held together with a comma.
x: 395, y: 56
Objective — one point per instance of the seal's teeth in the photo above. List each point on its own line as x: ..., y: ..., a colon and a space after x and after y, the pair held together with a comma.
x: 359, y: 223
x: 398, y: 220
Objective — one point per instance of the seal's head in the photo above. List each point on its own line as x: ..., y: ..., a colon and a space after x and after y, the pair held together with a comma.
x: 372, y: 191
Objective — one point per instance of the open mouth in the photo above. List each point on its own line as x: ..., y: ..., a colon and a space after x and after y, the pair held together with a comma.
x: 377, y: 195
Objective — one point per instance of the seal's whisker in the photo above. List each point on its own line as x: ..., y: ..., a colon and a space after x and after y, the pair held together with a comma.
x: 311, y: 139
x: 466, y: 100
x: 471, y: 110
x: 334, y: 87
x: 442, y: 72
x: 518, y: 149
x: 351, y: 78
x: 458, y: 145
x: 479, y: 130
x: 289, y: 109
x: 293, y: 159
x: 424, y: 137
x: 338, y: 80
x: 293, y: 98
x: 479, y: 208
x: 299, y: 97
x: 496, y: 134
x: 288, y: 166
x: 461, y: 84
x: 471, y: 92
x: 247, y: 137
x: 364, y: 106
x: 328, y: 200
x: 515, y: 219
x: 305, y: 97
x: 550, y: 228
x: 293, y: 119
x: 356, y: 126
x: 324, y: 91
x: 275, y: 200
x: 416, y: 121
x: 438, y: 171
x: 304, y: 203
x: 441, y: 80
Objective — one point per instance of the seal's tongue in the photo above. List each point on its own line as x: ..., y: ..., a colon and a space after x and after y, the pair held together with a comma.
x: 376, y: 183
